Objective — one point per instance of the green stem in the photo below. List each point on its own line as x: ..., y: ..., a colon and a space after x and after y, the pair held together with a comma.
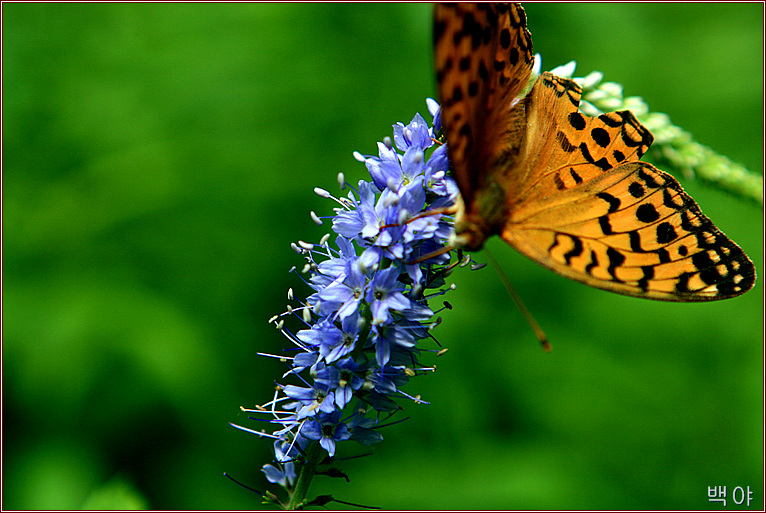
x: 307, y: 472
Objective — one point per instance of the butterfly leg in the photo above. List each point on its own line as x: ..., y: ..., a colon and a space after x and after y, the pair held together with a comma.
x: 447, y: 211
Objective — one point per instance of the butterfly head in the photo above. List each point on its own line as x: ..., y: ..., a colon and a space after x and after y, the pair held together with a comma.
x: 468, y: 235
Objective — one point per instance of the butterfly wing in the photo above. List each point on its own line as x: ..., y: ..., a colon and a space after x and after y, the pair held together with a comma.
x: 585, y: 207
x: 483, y: 57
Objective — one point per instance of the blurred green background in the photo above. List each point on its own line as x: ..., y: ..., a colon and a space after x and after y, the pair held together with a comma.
x: 158, y: 160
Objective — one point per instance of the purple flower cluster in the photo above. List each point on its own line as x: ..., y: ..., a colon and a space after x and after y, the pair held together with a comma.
x: 359, y: 329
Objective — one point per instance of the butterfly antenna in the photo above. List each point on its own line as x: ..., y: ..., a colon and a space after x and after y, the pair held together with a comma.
x: 539, y: 333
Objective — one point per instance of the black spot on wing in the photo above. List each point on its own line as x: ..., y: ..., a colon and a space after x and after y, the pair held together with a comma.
x: 576, y: 121
x: 635, y: 242
x: 682, y: 285
x: 648, y: 271
x: 614, y: 203
x: 575, y: 176
x: 593, y: 262
x: 564, y: 142
x: 606, y: 227
x: 636, y: 190
x: 600, y: 136
x: 646, y: 213
x: 601, y: 163
x: 505, y: 38
x: 559, y: 182
x: 483, y: 71
x: 609, y: 120
x: 665, y: 233
x: 616, y: 259
x: 575, y: 251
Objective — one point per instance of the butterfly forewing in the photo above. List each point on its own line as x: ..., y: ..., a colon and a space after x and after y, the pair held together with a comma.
x: 564, y: 147
x: 565, y: 189
x: 483, y: 56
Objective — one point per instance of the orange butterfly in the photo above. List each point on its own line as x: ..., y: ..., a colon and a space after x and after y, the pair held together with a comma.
x: 565, y: 189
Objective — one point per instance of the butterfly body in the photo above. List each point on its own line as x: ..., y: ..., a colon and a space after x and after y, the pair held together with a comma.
x: 565, y: 189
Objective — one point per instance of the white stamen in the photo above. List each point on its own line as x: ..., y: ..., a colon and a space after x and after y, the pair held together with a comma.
x: 306, y: 268
x: 305, y: 245
x: 342, y: 177
x: 315, y: 218
x: 273, y: 319
x: 387, y: 142
x: 358, y: 156
x: 324, y: 239
x: 321, y: 192
x: 296, y: 248
x: 307, y: 315
x: 290, y: 295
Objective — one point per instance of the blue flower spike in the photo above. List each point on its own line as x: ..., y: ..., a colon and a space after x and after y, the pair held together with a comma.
x: 355, y: 338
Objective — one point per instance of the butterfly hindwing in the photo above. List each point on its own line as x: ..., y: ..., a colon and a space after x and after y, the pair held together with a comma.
x: 634, y: 230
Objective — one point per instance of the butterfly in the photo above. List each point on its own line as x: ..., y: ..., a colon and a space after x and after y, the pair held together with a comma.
x: 565, y: 189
